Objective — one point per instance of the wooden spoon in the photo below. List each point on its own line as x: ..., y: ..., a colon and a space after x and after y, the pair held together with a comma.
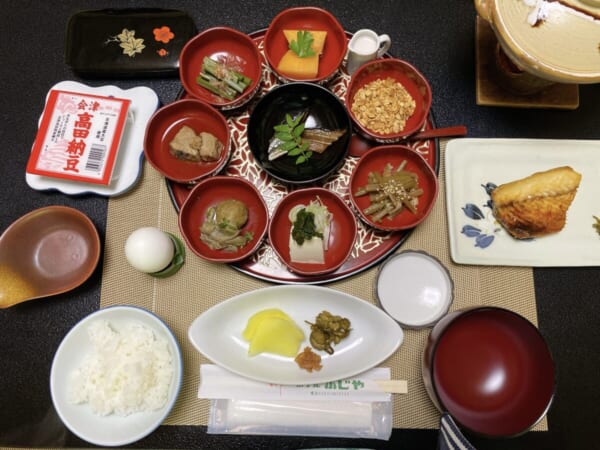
x: 46, y: 252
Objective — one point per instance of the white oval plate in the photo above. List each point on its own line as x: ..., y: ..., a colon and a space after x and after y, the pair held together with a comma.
x: 217, y: 334
x: 111, y: 430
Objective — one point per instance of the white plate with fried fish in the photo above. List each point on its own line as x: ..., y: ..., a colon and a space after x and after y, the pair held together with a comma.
x: 474, y: 167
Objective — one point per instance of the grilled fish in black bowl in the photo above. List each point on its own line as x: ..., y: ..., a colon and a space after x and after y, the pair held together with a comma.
x: 299, y: 133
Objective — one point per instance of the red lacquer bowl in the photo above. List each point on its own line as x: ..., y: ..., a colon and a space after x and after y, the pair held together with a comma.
x: 342, y: 234
x: 375, y: 160
x: 228, y: 46
x: 306, y: 18
x: 491, y: 369
x: 164, y: 125
x: 407, y: 75
x: 208, y: 193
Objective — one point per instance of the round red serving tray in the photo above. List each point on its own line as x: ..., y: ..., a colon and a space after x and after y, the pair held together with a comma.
x: 371, y: 246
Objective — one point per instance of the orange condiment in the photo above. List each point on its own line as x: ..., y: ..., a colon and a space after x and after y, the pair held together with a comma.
x: 308, y: 360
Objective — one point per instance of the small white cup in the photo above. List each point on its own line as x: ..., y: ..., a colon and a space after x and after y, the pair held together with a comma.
x: 365, y: 46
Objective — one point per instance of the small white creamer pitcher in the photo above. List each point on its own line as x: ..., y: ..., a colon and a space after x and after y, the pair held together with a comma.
x: 365, y: 46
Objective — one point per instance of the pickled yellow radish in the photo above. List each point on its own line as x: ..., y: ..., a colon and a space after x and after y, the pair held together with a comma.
x: 273, y: 331
x: 256, y: 319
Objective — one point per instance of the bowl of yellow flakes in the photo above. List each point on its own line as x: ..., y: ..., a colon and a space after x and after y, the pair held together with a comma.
x: 388, y: 100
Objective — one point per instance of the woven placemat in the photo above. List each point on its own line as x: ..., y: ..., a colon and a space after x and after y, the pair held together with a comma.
x: 200, y: 284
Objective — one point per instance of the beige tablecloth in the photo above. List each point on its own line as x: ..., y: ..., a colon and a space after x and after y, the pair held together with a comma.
x: 201, y: 284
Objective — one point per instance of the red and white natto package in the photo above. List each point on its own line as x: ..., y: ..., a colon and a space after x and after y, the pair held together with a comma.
x: 79, y: 137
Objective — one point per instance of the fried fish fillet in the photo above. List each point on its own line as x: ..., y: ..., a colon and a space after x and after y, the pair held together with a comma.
x: 536, y: 205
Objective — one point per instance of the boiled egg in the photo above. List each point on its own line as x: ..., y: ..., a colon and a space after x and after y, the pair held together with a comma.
x: 149, y: 249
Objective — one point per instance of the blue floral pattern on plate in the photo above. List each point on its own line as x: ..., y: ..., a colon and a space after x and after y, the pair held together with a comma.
x: 483, y: 226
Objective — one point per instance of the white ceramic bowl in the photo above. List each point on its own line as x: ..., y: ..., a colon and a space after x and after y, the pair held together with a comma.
x: 110, y: 430
x: 414, y: 288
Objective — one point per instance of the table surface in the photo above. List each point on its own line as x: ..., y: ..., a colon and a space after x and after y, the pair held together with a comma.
x: 438, y: 38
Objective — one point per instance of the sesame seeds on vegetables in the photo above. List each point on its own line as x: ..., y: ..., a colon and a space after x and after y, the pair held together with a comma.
x: 390, y: 192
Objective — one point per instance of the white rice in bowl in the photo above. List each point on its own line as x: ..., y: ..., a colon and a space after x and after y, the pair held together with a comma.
x: 128, y: 370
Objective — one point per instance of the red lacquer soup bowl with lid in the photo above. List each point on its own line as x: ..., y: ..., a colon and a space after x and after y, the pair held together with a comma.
x: 491, y: 369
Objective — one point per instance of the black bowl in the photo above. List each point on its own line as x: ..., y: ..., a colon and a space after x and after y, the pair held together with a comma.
x: 323, y: 110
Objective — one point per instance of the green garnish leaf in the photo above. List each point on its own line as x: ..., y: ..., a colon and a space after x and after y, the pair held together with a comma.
x: 290, y: 135
x: 302, y: 46
x: 303, y: 157
x: 299, y: 130
x: 287, y: 146
x: 281, y: 128
x: 285, y: 136
x: 298, y: 119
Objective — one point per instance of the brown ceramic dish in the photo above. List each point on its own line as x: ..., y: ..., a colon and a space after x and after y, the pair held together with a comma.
x: 46, y: 252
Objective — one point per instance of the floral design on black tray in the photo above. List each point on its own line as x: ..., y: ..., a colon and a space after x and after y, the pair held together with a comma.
x: 128, y: 42
x: 485, y: 227
x: 164, y: 35
x: 132, y: 45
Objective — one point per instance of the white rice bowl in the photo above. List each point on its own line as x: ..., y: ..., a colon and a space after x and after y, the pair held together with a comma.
x: 117, y: 427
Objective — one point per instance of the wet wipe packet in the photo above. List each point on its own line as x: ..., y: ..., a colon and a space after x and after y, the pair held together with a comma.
x: 355, y: 407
